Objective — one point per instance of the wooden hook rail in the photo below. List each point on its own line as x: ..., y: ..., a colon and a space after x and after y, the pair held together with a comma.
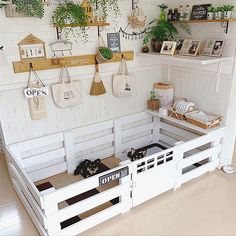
x: 72, y: 61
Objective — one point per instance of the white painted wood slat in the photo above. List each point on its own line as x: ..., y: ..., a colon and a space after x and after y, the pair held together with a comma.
x: 137, y: 130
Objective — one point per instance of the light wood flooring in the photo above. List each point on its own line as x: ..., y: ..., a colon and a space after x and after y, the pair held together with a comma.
x: 205, y: 206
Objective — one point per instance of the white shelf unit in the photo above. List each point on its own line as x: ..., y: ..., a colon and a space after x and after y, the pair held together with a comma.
x: 198, y: 61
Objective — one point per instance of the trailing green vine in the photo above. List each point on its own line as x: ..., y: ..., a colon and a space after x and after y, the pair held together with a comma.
x: 31, y: 8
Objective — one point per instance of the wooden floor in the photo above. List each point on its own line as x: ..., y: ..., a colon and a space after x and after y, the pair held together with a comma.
x: 206, y: 206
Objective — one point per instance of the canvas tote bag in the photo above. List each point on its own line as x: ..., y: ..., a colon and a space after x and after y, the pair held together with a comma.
x: 35, y: 93
x: 123, y: 82
x: 66, y: 93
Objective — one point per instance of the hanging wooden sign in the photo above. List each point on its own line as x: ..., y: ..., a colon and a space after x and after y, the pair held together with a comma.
x: 31, y: 47
x: 36, y: 92
x: 88, y: 10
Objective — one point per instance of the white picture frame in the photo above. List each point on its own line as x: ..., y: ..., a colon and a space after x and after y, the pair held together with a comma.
x: 190, y: 47
x: 168, y: 48
x: 213, y: 48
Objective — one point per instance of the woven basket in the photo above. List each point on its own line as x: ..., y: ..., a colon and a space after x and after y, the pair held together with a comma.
x: 99, y: 57
x: 137, y: 19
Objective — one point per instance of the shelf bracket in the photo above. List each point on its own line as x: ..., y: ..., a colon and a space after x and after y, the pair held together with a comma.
x: 225, y: 26
x: 218, y: 76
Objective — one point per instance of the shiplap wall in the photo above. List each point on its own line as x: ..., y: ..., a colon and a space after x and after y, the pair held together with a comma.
x: 193, y: 83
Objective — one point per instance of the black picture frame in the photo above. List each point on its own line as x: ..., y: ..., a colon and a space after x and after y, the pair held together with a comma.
x: 199, y: 12
x: 113, y: 42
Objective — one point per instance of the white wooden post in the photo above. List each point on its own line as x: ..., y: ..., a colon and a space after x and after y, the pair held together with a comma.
x: 70, y: 153
x: 117, y: 138
x: 178, y: 156
x: 215, y: 155
x: 156, y: 129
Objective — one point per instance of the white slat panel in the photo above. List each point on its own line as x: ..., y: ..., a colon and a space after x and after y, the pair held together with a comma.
x: 94, y: 142
x: 137, y: 143
x: 134, y: 118
x: 104, y: 153
x: 180, y: 132
x: 92, y: 128
x: 200, y: 156
x: 166, y: 139
x: 40, y: 142
x: 48, y: 172
x: 42, y: 159
x: 137, y: 130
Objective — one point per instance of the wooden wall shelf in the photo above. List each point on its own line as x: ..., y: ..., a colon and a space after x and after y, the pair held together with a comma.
x: 224, y: 22
x: 72, y: 61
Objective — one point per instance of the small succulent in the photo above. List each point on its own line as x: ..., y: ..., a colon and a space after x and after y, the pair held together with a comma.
x: 228, y: 7
x: 211, y: 9
x: 152, y: 95
x: 219, y: 9
x: 106, y: 53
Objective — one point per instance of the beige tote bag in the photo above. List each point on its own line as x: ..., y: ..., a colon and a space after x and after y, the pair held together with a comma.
x: 123, y: 82
x: 36, y: 102
x: 66, y: 93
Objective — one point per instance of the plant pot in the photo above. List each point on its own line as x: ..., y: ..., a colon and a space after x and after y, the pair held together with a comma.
x: 210, y: 15
x: 156, y: 46
x: 218, y: 15
x: 227, y: 14
x: 100, y: 58
x: 153, y: 104
x: 145, y: 49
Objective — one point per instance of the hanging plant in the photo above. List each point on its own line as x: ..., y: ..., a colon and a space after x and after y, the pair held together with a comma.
x: 31, y: 8
x: 71, y: 14
x: 106, y: 7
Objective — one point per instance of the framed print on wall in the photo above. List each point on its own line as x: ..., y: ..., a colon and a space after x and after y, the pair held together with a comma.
x: 213, y: 48
x: 190, y: 47
x: 168, y: 47
x: 113, y: 42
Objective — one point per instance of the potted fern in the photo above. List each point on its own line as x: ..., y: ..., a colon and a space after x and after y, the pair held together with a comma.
x: 219, y: 13
x: 104, y: 54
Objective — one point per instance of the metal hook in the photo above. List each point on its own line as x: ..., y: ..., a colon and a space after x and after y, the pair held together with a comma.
x: 31, y: 65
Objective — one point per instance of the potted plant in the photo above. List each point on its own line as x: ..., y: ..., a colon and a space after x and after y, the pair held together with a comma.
x: 219, y: 13
x: 163, y: 30
x: 145, y: 48
x: 67, y: 15
x: 153, y: 103
x: 211, y: 13
x: 104, y: 54
x: 163, y: 8
x: 228, y: 11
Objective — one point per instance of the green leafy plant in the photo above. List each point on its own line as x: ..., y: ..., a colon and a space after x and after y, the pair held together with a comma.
x: 106, y: 53
x: 211, y: 9
x: 31, y: 8
x: 163, y: 6
x: 152, y: 95
x: 219, y: 9
x: 67, y: 16
x: 164, y: 30
x: 106, y: 7
x: 228, y: 7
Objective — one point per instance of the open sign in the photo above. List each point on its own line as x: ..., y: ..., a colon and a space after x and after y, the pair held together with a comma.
x: 36, y: 92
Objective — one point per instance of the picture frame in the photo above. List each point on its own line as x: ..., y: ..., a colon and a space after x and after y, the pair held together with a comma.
x: 168, y: 47
x: 113, y: 42
x: 190, y: 47
x: 213, y: 47
x: 179, y: 45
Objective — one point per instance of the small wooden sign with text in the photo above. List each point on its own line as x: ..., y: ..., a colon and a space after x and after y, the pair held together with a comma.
x: 199, y: 12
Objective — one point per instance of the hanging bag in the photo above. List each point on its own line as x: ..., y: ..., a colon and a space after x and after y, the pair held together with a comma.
x: 123, y: 82
x: 137, y: 19
x: 66, y: 93
x: 35, y: 94
x: 99, y: 57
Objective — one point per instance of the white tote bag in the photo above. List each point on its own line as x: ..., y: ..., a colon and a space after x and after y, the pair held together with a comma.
x: 66, y: 93
x: 123, y: 82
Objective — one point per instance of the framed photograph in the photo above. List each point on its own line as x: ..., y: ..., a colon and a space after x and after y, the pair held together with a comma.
x: 179, y: 46
x: 113, y: 42
x: 190, y: 47
x: 213, y: 48
x: 168, y: 47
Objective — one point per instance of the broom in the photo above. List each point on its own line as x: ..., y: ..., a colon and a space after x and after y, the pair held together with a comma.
x: 97, y: 87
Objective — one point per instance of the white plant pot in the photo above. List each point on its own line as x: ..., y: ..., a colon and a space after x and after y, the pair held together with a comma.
x: 227, y: 14
x: 218, y: 15
x: 210, y: 15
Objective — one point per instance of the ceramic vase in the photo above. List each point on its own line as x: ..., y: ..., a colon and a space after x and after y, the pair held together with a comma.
x: 210, y: 15
x: 227, y: 14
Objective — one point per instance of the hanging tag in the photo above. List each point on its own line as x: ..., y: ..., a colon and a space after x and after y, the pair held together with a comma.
x: 36, y: 92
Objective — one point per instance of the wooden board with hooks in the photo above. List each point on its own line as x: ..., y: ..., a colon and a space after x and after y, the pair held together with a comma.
x: 72, y: 61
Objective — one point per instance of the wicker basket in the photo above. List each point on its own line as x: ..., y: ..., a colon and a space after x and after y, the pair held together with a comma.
x: 137, y: 19
x: 178, y: 114
x: 153, y: 104
x: 99, y: 57
x: 205, y: 125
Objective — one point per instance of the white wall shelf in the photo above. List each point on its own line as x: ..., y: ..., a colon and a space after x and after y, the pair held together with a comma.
x: 199, y: 60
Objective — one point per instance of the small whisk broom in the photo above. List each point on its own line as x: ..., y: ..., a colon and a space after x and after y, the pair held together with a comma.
x: 97, y: 87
